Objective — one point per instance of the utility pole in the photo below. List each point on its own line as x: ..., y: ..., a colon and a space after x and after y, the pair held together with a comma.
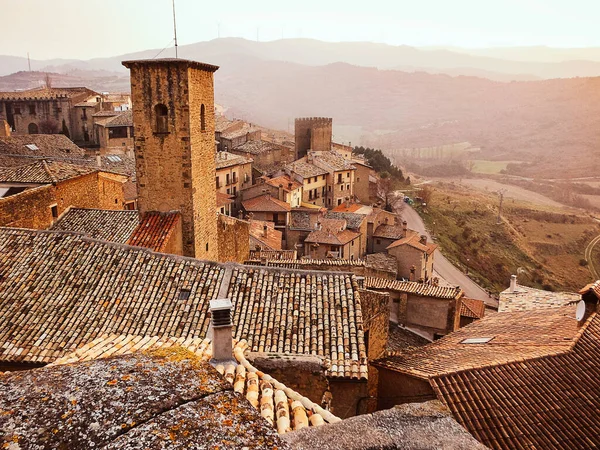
x: 501, y: 193
x: 28, y: 61
x: 175, y: 29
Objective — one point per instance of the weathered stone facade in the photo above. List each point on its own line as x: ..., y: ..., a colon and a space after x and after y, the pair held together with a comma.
x: 234, y: 239
x: 173, y: 115
x: 361, y: 181
x: 313, y: 133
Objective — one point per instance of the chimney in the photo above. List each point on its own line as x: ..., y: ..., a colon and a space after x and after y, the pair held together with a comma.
x: 588, y: 303
x: 413, y: 271
x: 361, y: 282
x: 222, y: 341
x: 423, y: 239
x: 404, y: 228
x: 318, y: 226
x: 513, y: 283
x: 265, y: 230
x: 99, y: 160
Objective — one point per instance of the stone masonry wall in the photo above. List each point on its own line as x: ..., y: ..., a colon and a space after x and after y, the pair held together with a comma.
x: 110, y: 192
x: 234, y: 239
x: 28, y: 209
x: 313, y: 133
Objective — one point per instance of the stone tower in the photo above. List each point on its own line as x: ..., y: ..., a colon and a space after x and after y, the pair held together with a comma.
x: 313, y: 133
x: 174, y: 128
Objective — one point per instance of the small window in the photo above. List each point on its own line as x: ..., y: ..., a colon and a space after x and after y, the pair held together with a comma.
x: 202, y: 118
x: 32, y: 128
x: 207, y: 246
x: 323, y: 177
x: 184, y: 294
x: 116, y: 201
x: 18, y: 110
x: 342, y: 187
x: 358, y: 180
x: 484, y: 340
x: 348, y: 175
x: 339, y: 177
x: 161, y: 112
x: 378, y: 241
x: 339, y: 201
x: 32, y: 146
x: 54, y: 211
x: 217, y: 182
x: 32, y: 109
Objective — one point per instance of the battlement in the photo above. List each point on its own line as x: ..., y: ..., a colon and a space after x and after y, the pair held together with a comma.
x: 314, y: 120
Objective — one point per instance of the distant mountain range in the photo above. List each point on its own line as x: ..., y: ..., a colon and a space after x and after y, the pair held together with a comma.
x: 377, y: 98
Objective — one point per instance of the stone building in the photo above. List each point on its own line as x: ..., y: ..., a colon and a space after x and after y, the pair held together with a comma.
x: 233, y: 173
x: 332, y: 239
x: 415, y: 256
x: 45, y: 110
x: 113, y: 131
x: 35, y: 195
x: 266, y: 155
x: 269, y: 209
x: 361, y: 181
x: 173, y: 116
x: 313, y: 133
x: 289, y: 190
x: 303, y: 221
x: 313, y: 180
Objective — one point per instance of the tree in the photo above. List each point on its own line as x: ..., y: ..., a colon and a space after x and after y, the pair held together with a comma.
x: 386, y: 191
x: 426, y: 194
x: 65, y: 129
x: 49, y: 126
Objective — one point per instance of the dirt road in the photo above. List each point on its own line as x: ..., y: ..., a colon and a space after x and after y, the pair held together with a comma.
x: 444, y: 267
x: 589, y: 257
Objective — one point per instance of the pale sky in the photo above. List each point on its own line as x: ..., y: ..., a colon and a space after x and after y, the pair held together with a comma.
x: 86, y: 29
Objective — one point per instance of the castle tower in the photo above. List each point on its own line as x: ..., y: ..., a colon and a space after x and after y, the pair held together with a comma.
x: 174, y: 128
x: 313, y: 133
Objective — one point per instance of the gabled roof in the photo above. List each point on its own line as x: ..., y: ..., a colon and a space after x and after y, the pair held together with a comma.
x: 165, y: 398
x: 354, y: 208
x: 60, y: 290
x: 257, y: 147
x: 273, y: 238
x: 226, y: 159
x: 412, y: 287
x: 154, y: 230
x: 44, y: 145
x: 513, y: 337
x: 330, y: 161
x: 224, y: 199
x: 353, y: 221
x: 105, y: 224
x: 287, y: 184
x: 284, y: 408
x: 525, y: 298
x: 332, y: 232
x: 414, y: 241
x: 391, y: 231
x: 305, y: 169
x: 266, y: 203
x: 43, y: 172
x: 550, y: 401
x: 48, y: 93
x: 121, y: 119
x: 470, y: 307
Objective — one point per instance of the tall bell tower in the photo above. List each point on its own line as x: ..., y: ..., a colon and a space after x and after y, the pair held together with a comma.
x: 174, y: 128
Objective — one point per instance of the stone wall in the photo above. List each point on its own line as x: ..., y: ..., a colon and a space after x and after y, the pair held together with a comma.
x: 234, y: 239
x: 176, y: 166
x: 28, y: 209
x: 407, y: 257
x: 396, y: 389
x: 111, y: 194
x: 361, y: 183
x: 313, y: 133
x: 376, y: 317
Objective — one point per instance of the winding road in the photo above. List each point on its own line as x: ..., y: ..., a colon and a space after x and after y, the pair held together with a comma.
x: 445, y: 268
x: 589, y: 257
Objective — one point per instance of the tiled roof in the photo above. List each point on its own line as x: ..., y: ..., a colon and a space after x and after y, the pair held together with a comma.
x: 46, y: 145
x: 45, y: 93
x: 525, y: 298
x: 592, y: 287
x: 515, y: 336
x: 278, y: 255
x: 256, y: 147
x: 226, y: 159
x: 238, y: 132
x: 390, y: 231
x: 413, y: 287
x: 154, y: 230
x: 332, y: 232
x: 284, y: 408
x: 106, y: 113
x: 331, y: 161
x: 305, y: 169
x: 401, y: 339
x: 124, y: 119
x: 224, y: 199
x: 303, y: 313
x: 158, y: 399
x: 382, y: 261
x: 285, y: 182
x: 300, y: 263
x: 266, y: 203
x: 59, y: 291
x: 414, y: 241
x: 273, y: 237
x: 550, y: 402
x: 108, y: 225
x: 353, y: 221
x: 43, y: 172
x: 470, y: 307
x: 300, y: 219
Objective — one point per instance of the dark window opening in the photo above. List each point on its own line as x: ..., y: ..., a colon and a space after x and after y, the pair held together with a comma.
x: 202, y: 118
x: 32, y: 109
x: 117, y: 132
x: 18, y: 110
x: 33, y: 128
x: 184, y: 294
x: 161, y: 112
x: 55, y: 212
x: 207, y: 246
x: 116, y: 201
x: 83, y: 114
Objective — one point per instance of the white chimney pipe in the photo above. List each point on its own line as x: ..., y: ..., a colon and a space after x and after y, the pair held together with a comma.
x: 513, y: 283
x: 222, y: 341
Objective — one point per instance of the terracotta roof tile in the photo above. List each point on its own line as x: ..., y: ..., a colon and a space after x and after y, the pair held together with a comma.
x: 47, y: 93
x: 271, y: 238
x: 279, y: 255
x: 284, y: 408
x: 60, y: 290
x: 330, y: 161
x: 392, y: 231
x: 108, y: 225
x: 285, y: 182
x: 43, y: 172
x: 257, y: 147
x: 514, y: 336
x: 226, y: 159
x: 353, y: 221
x: 549, y: 402
x: 266, y: 203
x: 472, y: 308
x: 413, y: 287
x: 154, y: 230
x: 305, y: 169
x: 413, y: 239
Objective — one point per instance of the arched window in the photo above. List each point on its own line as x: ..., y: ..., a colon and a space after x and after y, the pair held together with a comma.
x: 33, y: 128
x: 161, y: 112
x: 202, y: 118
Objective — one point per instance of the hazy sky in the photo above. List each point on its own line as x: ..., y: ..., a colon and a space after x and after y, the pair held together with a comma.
x: 94, y: 28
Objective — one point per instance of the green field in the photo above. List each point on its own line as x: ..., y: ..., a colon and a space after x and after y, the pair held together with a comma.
x: 490, y: 167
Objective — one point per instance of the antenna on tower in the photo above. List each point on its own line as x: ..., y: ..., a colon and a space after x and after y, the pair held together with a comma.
x: 175, y: 28
x: 28, y: 61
